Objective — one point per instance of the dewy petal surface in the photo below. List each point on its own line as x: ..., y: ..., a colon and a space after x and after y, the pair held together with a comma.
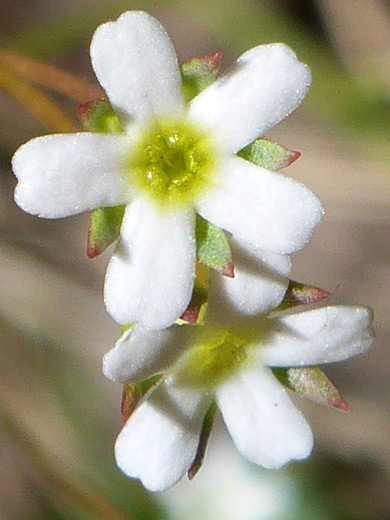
x: 158, y: 443
x: 318, y: 336
x: 265, y: 425
x: 259, y: 284
x: 66, y: 174
x: 151, y: 273
x: 264, y: 208
x: 262, y: 88
x: 136, y: 64
x: 139, y: 353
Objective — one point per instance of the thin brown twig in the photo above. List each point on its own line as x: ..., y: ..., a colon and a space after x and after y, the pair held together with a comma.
x: 78, y: 89
x: 35, y: 101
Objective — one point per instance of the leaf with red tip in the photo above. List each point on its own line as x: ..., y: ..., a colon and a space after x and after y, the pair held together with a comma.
x: 213, y: 249
x: 300, y: 294
x: 133, y: 393
x: 104, y: 227
x: 193, y: 313
x: 199, y: 73
x: 99, y: 116
x: 269, y: 155
x: 311, y: 383
x: 203, y: 440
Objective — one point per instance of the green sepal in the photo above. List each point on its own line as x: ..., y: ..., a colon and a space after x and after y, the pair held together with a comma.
x: 313, y: 384
x: 269, y: 155
x: 300, y: 294
x: 133, y: 393
x: 197, y: 306
x: 213, y: 249
x: 103, y: 228
x: 203, y: 440
x: 99, y: 116
x: 198, y: 74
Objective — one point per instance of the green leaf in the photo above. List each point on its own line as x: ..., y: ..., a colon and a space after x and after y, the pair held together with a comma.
x: 311, y: 383
x: 104, y: 227
x: 198, y: 74
x: 99, y: 116
x: 269, y: 155
x: 195, y: 310
x: 133, y: 393
x: 213, y: 249
x: 203, y: 440
x: 300, y: 294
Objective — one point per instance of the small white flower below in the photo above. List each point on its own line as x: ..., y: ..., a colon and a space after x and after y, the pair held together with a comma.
x: 234, y: 368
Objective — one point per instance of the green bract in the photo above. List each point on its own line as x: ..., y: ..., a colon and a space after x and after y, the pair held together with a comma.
x: 198, y: 74
x: 99, y: 116
x: 269, y: 155
x: 203, y: 440
x: 301, y: 294
x: 311, y: 383
x: 213, y: 248
x: 104, y: 228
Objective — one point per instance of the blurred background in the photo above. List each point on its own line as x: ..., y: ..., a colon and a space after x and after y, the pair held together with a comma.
x: 58, y: 415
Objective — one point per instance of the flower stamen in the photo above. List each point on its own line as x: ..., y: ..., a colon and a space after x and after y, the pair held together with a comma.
x: 172, y: 162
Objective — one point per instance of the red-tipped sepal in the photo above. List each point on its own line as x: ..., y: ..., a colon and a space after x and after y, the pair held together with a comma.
x: 269, y: 155
x: 300, y: 294
x: 199, y: 73
x: 313, y: 384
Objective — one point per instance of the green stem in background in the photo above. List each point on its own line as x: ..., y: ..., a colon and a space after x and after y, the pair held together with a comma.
x: 51, y: 77
x: 74, y: 494
x: 35, y: 102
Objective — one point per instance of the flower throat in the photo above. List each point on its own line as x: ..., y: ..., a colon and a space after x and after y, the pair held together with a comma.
x: 172, y: 162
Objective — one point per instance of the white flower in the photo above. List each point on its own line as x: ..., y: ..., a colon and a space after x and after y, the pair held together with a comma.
x: 171, y: 161
x: 159, y: 442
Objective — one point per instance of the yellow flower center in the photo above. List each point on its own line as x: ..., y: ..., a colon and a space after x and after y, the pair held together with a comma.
x: 207, y: 365
x: 172, y: 162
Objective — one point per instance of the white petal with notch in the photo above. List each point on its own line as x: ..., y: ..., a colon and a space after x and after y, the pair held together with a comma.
x: 263, y: 87
x: 136, y: 64
x: 66, y: 174
x: 266, y: 209
x: 259, y: 284
x: 265, y: 425
x: 318, y: 336
x: 139, y: 353
x: 151, y: 273
x: 159, y: 442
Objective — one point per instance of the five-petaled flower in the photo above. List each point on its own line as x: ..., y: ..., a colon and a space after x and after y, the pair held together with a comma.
x: 232, y: 365
x: 174, y: 160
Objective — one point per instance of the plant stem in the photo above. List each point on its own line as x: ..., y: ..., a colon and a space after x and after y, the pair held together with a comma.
x: 78, y: 89
x: 35, y: 102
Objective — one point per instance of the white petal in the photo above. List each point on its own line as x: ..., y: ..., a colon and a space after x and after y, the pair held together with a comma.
x: 159, y: 442
x: 266, y: 209
x: 318, y: 336
x: 65, y: 174
x: 259, y: 284
x: 136, y: 64
x: 263, y: 87
x: 151, y: 274
x: 140, y: 353
x: 265, y: 425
